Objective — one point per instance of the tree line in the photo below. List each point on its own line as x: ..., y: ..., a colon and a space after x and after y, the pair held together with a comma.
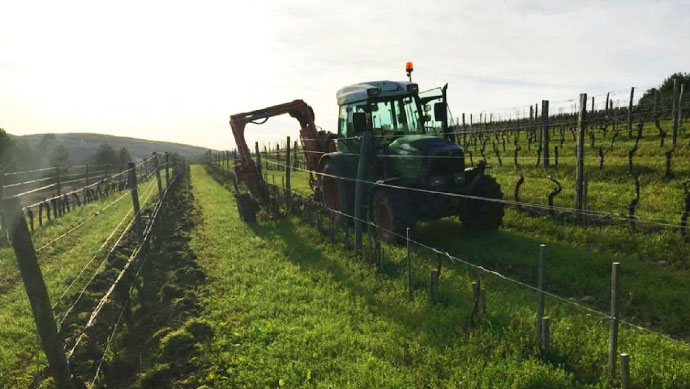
x: 20, y: 155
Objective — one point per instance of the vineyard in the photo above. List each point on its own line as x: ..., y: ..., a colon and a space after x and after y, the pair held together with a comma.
x: 146, y: 275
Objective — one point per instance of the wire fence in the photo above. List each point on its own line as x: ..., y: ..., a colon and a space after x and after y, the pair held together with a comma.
x: 131, y: 235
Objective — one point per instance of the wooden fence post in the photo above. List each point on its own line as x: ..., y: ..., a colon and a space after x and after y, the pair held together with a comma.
x: 362, y: 175
x: 541, y: 302
x: 675, y: 111
x: 580, y: 161
x: 410, y: 272
x: 156, y: 165
x: 37, y: 293
x: 3, y: 228
x: 258, y: 160
x: 132, y: 183
x: 630, y: 107
x: 167, y: 174
x: 288, y: 193
x: 545, y: 131
x: 433, y: 286
x: 613, y: 340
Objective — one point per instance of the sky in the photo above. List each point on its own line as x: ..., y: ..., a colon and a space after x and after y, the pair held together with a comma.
x: 175, y: 71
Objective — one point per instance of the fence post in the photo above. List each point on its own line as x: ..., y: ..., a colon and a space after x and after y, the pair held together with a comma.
x: 2, y: 196
x: 57, y: 179
x: 36, y: 292
x: 675, y: 111
x: 545, y: 334
x: 258, y: 160
x: 482, y: 301
x: 132, y: 183
x: 362, y: 168
x: 630, y: 107
x: 409, y: 263
x: 625, y: 371
x: 167, y: 174
x: 680, y: 105
x: 540, y: 286
x: 545, y: 130
x: 433, y: 286
x: 580, y: 162
x: 613, y: 341
x: 156, y: 165
x: 288, y: 196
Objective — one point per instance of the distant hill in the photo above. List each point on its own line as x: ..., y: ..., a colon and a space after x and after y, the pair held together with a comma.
x: 82, y: 145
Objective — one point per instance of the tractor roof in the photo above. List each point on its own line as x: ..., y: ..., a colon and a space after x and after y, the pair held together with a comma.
x: 360, y: 92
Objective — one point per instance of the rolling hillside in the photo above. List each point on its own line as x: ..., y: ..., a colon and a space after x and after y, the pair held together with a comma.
x: 82, y: 145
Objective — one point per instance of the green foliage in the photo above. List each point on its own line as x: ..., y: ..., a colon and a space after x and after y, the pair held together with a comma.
x: 106, y: 155
x: 666, y: 92
x: 59, y: 156
x: 6, y: 146
x: 123, y: 156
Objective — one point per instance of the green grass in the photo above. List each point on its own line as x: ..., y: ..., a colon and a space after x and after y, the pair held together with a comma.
x: 292, y: 310
x: 20, y: 356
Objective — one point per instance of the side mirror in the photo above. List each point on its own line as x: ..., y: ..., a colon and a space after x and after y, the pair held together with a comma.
x: 359, y: 122
x: 440, y: 112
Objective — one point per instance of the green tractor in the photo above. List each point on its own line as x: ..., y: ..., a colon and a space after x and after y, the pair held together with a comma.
x: 414, y: 161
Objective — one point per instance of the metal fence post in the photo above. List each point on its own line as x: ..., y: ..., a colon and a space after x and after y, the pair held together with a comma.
x: 613, y: 340
x: 625, y: 371
x: 37, y: 293
x: 540, y: 285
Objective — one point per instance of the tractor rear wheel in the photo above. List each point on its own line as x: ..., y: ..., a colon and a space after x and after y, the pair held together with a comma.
x: 483, y: 214
x: 247, y: 207
x: 332, y: 189
x: 391, y: 211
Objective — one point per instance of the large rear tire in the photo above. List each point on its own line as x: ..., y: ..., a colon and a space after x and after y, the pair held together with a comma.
x: 247, y: 207
x: 483, y: 214
x: 332, y: 189
x: 392, y: 212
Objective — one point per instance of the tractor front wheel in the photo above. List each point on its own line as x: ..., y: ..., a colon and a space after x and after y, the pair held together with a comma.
x: 391, y: 211
x: 485, y: 213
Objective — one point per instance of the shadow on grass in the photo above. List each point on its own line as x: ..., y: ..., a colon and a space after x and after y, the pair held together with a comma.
x: 447, y: 321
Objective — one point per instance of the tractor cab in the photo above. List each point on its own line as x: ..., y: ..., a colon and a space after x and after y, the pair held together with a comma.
x: 393, y: 109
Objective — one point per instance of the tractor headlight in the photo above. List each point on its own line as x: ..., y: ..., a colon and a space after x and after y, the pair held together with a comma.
x: 437, y: 181
x: 459, y: 178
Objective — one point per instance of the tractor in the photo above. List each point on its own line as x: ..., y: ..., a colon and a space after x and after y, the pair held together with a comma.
x: 415, y: 169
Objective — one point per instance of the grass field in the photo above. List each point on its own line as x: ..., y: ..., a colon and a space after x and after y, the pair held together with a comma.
x: 292, y: 310
x: 21, y: 360
x: 654, y: 264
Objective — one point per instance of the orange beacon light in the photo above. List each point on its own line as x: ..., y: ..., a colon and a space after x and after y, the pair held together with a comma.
x: 409, y: 68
